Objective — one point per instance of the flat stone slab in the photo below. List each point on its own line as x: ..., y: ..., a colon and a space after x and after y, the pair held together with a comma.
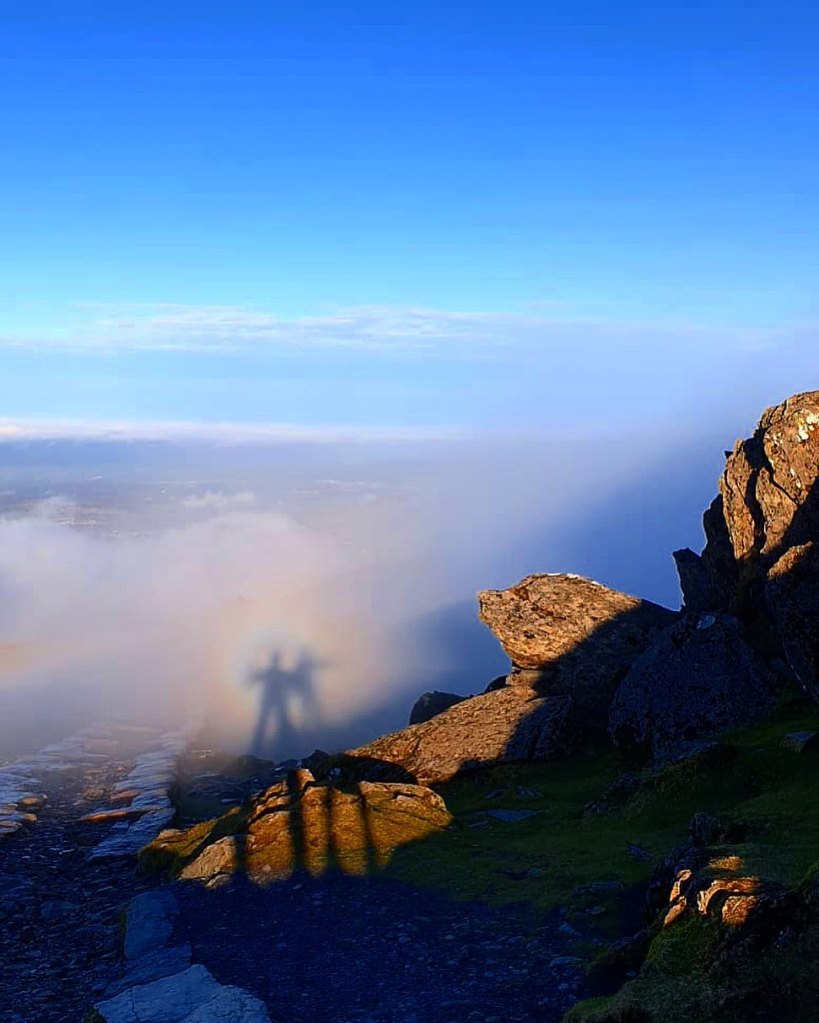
x: 192, y: 996
x: 168, y: 1000
x: 154, y: 965
x: 149, y: 922
x: 230, y: 1005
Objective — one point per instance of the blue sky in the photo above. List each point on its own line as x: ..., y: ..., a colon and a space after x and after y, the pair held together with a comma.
x: 446, y: 216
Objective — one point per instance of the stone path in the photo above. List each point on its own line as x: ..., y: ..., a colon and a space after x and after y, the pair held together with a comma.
x: 59, y: 915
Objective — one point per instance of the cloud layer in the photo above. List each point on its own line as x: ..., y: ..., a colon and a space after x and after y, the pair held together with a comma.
x: 398, y: 330
x: 178, y: 619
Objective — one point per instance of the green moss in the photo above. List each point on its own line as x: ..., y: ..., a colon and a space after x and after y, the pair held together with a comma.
x: 684, y: 948
x: 782, y: 985
x: 749, y: 780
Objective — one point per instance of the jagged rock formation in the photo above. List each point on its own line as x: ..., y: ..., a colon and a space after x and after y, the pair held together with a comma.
x: 758, y: 561
x: 302, y: 824
x: 429, y: 704
x: 698, y: 676
x: 513, y: 723
x: 570, y: 636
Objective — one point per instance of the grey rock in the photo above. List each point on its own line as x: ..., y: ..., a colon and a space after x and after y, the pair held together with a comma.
x: 149, y: 922
x: 153, y: 965
x: 131, y: 839
x: 168, y: 1000
x: 699, y: 676
x: 230, y: 1005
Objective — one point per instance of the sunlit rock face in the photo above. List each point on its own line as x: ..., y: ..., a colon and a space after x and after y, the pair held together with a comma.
x: 300, y: 824
x: 571, y: 636
x: 766, y: 505
x: 758, y: 562
x: 510, y: 724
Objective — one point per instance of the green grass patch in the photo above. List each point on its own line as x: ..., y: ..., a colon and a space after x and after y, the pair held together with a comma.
x: 749, y: 779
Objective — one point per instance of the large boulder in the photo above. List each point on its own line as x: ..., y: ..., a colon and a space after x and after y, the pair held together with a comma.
x: 302, y: 824
x: 698, y: 677
x: 570, y: 636
x: 511, y: 724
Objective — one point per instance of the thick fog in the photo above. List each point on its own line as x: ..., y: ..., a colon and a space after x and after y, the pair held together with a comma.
x: 291, y: 596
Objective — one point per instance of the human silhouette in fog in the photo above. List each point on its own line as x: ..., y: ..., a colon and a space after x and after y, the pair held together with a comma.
x: 287, y: 698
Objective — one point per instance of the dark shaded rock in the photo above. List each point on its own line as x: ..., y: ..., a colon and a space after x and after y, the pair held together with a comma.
x: 703, y: 829
x: 148, y: 922
x: 316, y: 760
x: 698, y: 676
x: 792, y: 598
x: 699, y: 592
x: 430, y: 704
x: 513, y: 723
x: 579, y: 636
x: 497, y: 683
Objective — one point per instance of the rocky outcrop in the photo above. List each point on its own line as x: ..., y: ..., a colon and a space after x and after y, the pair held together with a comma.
x: 570, y: 636
x: 301, y: 824
x: 697, y: 677
x: 429, y: 704
x: 760, y: 531
x: 509, y: 724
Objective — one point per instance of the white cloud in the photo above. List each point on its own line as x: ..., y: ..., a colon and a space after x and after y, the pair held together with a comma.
x: 212, y: 500
x: 398, y: 330
x: 29, y: 429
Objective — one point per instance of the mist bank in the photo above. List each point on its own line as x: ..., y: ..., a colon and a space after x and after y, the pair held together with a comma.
x: 291, y: 601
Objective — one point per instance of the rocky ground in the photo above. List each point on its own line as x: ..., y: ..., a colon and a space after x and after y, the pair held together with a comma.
x: 59, y: 916
x: 335, y: 948
x: 349, y: 950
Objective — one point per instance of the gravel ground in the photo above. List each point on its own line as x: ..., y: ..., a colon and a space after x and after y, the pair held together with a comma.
x: 329, y: 950
x: 59, y: 916
x: 348, y: 950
